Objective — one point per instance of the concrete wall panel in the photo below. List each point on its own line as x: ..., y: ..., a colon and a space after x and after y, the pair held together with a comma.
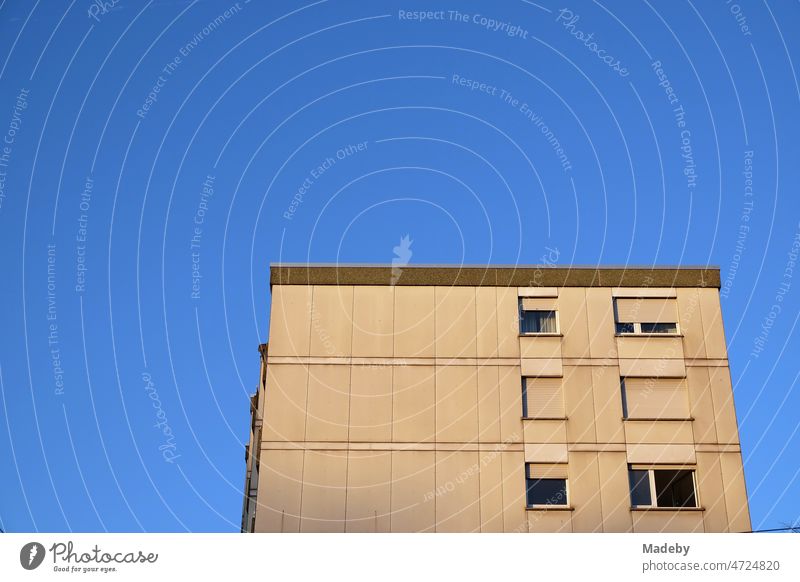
x: 290, y: 320
x: 373, y: 321
x: 324, y: 491
x: 413, y: 491
x: 332, y: 321
x: 413, y: 404
x: 371, y: 404
x: 369, y: 479
x: 414, y: 322
x: 279, y: 491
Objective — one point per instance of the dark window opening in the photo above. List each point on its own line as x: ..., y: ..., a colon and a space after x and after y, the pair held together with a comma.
x: 624, y: 398
x: 524, y: 398
x: 646, y: 328
x: 662, y: 487
x: 659, y: 327
x: 640, y: 487
x: 544, y: 491
x: 625, y: 328
x: 547, y: 492
x: 675, y: 488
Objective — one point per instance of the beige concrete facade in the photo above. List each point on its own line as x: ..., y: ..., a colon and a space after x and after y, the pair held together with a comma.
x: 399, y: 408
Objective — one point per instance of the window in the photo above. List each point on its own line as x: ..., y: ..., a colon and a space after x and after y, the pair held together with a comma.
x: 640, y: 487
x: 645, y: 328
x: 541, y: 398
x: 666, y: 487
x: 537, y: 316
x: 646, y: 316
x: 525, y: 398
x: 626, y: 327
x: 544, y: 487
x: 654, y: 398
x: 538, y: 322
x: 659, y: 327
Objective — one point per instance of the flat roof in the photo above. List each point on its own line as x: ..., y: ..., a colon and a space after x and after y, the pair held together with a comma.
x: 494, y: 275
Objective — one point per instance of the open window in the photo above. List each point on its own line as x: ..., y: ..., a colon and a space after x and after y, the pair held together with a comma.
x: 646, y: 316
x: 670, y: 487
x: 546, y: 486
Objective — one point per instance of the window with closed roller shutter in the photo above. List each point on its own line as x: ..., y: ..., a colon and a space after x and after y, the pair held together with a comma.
x: 542, y: 398
x: 654, y: 398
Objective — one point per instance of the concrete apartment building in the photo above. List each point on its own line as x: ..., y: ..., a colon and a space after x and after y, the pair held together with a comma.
x: 494, y: 399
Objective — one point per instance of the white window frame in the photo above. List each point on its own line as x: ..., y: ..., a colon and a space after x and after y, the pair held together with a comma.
x: 652, y: 482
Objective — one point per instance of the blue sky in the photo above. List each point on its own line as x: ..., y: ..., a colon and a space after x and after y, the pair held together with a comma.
x: 157, y: 156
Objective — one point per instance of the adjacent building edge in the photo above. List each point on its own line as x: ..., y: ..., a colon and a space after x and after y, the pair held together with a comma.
x: 252, y: 450
x: 412, y: 399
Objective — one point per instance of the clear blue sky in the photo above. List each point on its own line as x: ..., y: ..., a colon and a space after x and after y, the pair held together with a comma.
x: 636, y: 133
